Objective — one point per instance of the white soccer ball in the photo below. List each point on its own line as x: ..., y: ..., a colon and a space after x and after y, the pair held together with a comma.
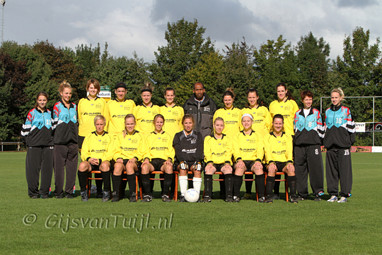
x: 191, y: 196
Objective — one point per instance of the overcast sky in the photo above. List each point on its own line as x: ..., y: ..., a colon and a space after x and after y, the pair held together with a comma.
x: 139, y: 25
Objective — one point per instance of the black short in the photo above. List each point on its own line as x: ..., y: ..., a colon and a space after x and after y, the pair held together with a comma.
x: 219, y: 167
x: 138, y: 163
x: 94, y: 167
x: 157, y: 163
x: 249, y: 164
x: 80, y: 141
x: 280, y: 165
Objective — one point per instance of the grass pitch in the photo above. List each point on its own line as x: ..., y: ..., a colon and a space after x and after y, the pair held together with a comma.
x: 64, y: 226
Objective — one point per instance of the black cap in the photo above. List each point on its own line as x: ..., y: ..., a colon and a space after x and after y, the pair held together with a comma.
x: 120, y: 85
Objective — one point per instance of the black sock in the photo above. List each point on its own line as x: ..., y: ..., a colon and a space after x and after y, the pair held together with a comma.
x: 132, y: 183
x: 260, y: 186
x: 228, y: 185
x: 123, y: 185
x: 276, y: 186
x: 222, y: 185
x: 98, y: 183
x: 172, y: 188
x: 237, y: 181
x: 167, y: 183
x: 116, y: 184
x: 269, y: 186
x: 292, y: 185
x: 208, y: 185
x: 83, y: 179
x: 146, y: 184
x: 248, y: 184
x: 106, y: 181
x: 190, y: 182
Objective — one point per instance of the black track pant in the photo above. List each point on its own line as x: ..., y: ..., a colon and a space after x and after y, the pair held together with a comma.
x: 39, y: 159
x: 65, y: 155
x: 308, y: 161
x: 338, y: 167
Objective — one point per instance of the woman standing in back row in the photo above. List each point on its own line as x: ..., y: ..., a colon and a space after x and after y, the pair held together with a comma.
x: 145, y: 113
x: 339, y: 137
x: 309, y: 132
x: 65, y: 140
x: 37, y: 133
x: 88, y: 108
x: 284, y: 105
x: 261, y: 124
x: 287, y: 107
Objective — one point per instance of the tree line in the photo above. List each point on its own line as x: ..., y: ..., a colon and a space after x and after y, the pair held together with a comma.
x: 190, y: 56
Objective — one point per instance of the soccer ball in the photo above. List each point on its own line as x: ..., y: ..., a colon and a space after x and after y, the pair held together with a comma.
x: 191, y: 196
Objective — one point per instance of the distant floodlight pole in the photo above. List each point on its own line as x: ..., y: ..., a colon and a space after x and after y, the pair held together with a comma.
x: 2, y: 21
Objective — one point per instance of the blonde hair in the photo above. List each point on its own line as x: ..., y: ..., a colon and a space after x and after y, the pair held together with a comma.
x: 339, y: 91
x: 63, y: 85
x: 147, y: 87
x: 99, y: 117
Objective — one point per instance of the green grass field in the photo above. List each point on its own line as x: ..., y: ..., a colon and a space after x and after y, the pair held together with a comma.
x: 72, y: 227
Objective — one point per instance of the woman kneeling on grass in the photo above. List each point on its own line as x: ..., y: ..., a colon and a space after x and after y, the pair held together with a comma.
x: 159, y: 156
x: 249, y: 152
x: 129, y: 150
x: 218, y: 154
x: 279, y: 156
x: 96, y: 153
x: 188, y: 145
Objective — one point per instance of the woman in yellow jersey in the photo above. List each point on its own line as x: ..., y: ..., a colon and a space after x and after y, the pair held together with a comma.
x: 145, y: 113
x: 159, y: 156
x: 248, y: 154
x: 279, y: 157
x: 287, y: 107
x: 117, y: 109
x: 97, y: 151
x: 217, y: 155
x: 230, y: 114
x: 130, y: 148
x: 262, y: 123
x: 284, y: 105
x: 172, y: 113
x: 88, y: 108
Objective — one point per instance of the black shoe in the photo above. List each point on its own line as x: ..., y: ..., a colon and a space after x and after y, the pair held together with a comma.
x: 301, y: 198
x: 34, y: 196
x: 115, y: 198
x: 317, y: 198
x: 293, y: 199
x: 133, y: 198
x: 99, y: 195
x: 229, y: 199
x: 269, y: 199
x: 261, y: 200
x: 84, y: 196
x: 207, y: 199
x: 45, y: 196
x: 147, y: 198
x: 236, y: 199
x: 69, y: 195
x: 106, y: 196
x: 60, y: 196
x: 276, y: 196
x: 166, y: 198
x: 182, y: 199
x: 247, y: 196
